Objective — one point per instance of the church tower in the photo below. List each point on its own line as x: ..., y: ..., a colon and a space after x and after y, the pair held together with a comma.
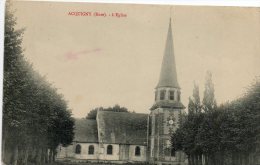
x: 166, y: 110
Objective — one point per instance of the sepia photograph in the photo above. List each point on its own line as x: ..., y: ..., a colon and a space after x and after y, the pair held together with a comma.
x: 130, y: 84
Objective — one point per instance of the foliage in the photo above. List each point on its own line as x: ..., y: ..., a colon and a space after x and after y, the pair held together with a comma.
x: 209, y: 102
x: 35, y: 116
x: 116, y: 108
x: 224, y: 135
x: 194, y: 105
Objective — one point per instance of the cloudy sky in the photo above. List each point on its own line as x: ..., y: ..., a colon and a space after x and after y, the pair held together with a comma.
x: 102, y: 61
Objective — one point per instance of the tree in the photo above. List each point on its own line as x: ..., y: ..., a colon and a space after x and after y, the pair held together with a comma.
x: 35, y: 116
x: 13, y: 84
x: 194, y: 105
x: 209, y: 102
x: 226, y: 135
x: 116, y: 108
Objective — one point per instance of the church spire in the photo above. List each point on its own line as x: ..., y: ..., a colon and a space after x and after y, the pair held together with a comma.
x: 168, y: 75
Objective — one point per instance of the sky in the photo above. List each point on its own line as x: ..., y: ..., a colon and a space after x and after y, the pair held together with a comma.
x: 102, y: 61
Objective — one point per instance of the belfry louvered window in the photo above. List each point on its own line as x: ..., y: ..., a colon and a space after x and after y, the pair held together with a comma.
x: 162, y: 94
x: 171, y: 95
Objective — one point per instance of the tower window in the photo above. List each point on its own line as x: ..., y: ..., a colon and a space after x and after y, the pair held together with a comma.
x: 156, y: 93
x: 91, y: 150
x: 109, y: 150
x: 137, y: 151
x: 78, y: 149
x: 162, y: 94
x: 179, y: 96
x: 171, y: 95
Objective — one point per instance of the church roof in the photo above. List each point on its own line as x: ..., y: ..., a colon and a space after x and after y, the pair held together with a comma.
x: 122, y: 127
x: 86, y: 130
x: 168, y: 75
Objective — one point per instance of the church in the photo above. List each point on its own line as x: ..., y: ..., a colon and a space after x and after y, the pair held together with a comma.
x: 120, y: 137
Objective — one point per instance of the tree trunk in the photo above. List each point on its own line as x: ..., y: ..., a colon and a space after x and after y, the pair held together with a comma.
x: 38, y: 156
x: 233, y: 158
x: 32, y: 155
x: 193, y: 159
x: 46, y: 155
x: 205, y: 159
x: 54, y: 154
x: 200, y: 159
x: 196, y: 159
x: 189, y: 160
x: 3, y: 148
x: 211, y: 159
x: 218, y: 158
x: 42, y: 155
x: 14, y: 159
x: 246, y: 159
x: 50, y: 155
x: 25, y: 156
x: 4, y: 136
x: 222, y: 158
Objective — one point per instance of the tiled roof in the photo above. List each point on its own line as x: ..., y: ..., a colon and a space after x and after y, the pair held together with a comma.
x: 86, y: 130
x: 122, y: 127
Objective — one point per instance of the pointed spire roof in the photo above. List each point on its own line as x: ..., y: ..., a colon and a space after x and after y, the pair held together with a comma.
x: 168, y: 75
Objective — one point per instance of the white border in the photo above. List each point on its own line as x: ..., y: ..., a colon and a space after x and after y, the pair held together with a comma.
x: 241, y: 3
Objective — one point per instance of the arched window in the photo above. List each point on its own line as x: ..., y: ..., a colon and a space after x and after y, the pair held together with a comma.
x: 91, y: 150
x: 109, y: 150
x: 171, y: 95
x: 78, y: 149
x: 137, y: 151
x: 162, y: 94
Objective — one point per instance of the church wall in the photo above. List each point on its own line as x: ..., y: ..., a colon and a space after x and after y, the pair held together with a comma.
x: 167, y: 116
x: 61, y: 153
x: 84, y: 151
x: 65, y: 152
x: 124, y: 152
x: 133, y: 157
x: 69, y: 151
x: 115, y: 153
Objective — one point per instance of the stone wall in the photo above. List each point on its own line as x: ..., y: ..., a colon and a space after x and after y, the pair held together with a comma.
x: 103, y: 152
x: 134, y: 157
x: 70, y: 151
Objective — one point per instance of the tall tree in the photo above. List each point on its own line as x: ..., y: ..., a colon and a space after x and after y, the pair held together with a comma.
x: 35, y: 116
x: 228, y: 135
x: 209, y: 101
x: 13, y: 84
x: 194, y: 105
